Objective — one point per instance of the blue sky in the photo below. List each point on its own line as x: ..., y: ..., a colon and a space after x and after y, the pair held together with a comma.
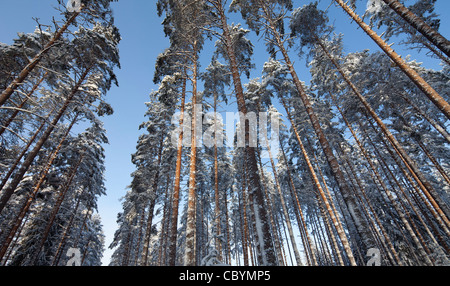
x: 143, y: 40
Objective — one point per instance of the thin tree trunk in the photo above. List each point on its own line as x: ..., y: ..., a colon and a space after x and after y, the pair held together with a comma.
x: 176, y: 191
x: 152, y: 204
x: 244, y: 219
x: 164, y: 226
x: 283, y: 204
x: 56, y: 208
x: 227, y: 229
x: 218, y: 244
x: 68, y: 227
x: 264, y: 244
x: 440, y: 102
x: 190, y: 249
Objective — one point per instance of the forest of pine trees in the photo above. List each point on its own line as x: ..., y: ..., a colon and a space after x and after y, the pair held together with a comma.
x: 351, y: 165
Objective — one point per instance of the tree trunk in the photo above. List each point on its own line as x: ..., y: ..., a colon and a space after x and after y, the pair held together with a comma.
x: 152, y: 204
x: 217, y: 243
x: 440, y: 102
x: 264, y: 244
x: 33, y: 194
x: 56, y: 208
x: 68, y: 227
x: 420, y: 25
x: 190, y: 249
x: 176, y: 191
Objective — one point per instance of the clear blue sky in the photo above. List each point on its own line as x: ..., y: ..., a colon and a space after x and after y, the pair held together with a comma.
x: 143, y: 40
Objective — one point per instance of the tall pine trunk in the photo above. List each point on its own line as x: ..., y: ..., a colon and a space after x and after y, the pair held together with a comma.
x: 190, y: 249
x: 438, y: 100
x: 172, y: 239
x: 420, y: 25
x: 264, y: 241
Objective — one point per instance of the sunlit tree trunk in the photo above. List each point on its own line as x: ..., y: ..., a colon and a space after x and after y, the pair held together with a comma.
x: 438, y: 100
x: 176, y: 191
x: 190, y: 249
x: 264, y: 241
x: 420, y: 25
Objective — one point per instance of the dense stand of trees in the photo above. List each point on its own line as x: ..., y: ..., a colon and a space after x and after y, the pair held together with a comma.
x: 350, y: 165
x: 54, y: 83
x: 362, y: 164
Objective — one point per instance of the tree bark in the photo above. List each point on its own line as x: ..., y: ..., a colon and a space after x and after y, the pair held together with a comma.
x: 264, y: 244
x: 176, y: 191
x: 190, y: 249
x: 439, y: 101
x: 420, y: 25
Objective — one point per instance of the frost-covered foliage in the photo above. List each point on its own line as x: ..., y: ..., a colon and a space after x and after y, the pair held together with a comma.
x: 383, y: 17
x: 361, y: 160
x: 52, y: 175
